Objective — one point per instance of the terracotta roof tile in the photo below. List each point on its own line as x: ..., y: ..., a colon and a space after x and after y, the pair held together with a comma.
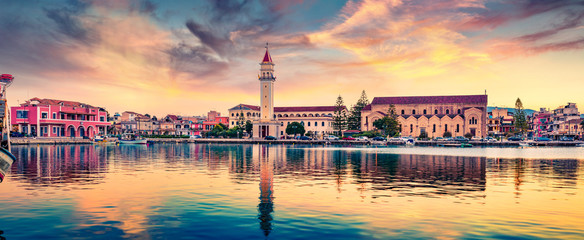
x: 481, y: 99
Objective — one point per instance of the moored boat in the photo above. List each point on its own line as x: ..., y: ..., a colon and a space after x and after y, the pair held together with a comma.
x: 132, y: 139
x: 6, y: 158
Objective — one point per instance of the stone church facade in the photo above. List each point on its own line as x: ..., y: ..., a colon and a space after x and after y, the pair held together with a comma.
x: 431, y: 114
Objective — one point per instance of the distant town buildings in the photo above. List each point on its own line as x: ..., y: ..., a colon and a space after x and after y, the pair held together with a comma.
x: 58, y: 118
x: 433, y: 115
x: 563, y: 121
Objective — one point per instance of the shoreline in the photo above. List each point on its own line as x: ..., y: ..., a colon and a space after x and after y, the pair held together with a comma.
x: 54, y: 141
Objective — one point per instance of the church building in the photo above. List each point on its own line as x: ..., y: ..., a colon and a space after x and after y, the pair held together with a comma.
x: 433, y: 115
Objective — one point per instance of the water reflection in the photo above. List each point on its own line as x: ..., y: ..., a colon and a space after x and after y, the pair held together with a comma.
x: 166, y: 190
x: 266, y: 205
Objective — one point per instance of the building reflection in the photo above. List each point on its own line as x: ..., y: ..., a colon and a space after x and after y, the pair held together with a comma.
x: 59, y: 164
x: 266, y: 205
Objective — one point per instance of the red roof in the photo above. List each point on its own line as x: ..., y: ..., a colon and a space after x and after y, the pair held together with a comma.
x: 480, y: 99
x: 291, y: 109
x: 306, y: 109
x: 267, y: 57
x: 55, y: 102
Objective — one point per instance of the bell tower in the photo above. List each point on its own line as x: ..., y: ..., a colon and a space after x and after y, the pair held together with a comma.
x: 267, y: 125
x: 267, y: 80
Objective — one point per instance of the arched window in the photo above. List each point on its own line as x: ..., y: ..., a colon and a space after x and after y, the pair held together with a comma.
x: 414, y: 111
x: 308, y: 124
x: 403, y: 112
x: 458, y: 111
x: 434, y: 128
x: 248, y: 114
x: 316, y: 124
x: 457, y: 128
x: 232, y: 114
x: 279, y: 115
x: 435, y: 111
x: 446, y: 128
x: 297, y: 115
x: 411, y: 128
x: 311, y: 115
x: 317, y: 115
x: 285, y: 115
x: 424, y: 111
x: 447, y: 111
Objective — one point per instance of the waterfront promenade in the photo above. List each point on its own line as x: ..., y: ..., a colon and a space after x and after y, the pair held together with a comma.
x: 32, y: 141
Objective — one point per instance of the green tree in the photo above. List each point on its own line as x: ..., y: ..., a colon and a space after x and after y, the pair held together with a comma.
x: 354, y: 119
x: 520, y: 118
x: 249, y: 127
x: 447, y: 134
x: 389, y: 123
x: 295, y: 128
x: 340, y: 116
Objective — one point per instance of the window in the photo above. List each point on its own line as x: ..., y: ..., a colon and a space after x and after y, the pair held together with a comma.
x: 54, y: 130
x: 323, y: 124
x: 302, y: 123
x: 316, y: 124
x: 424, y: 111
x: 54, y: 115
x: 457, y: 128
x: 309, y: 124
x: 411, y: 128
x: 403, y: 112
x: 447, y: 111
x: 434, y: 128
x: 102, y: 119
x: 21, y: 114
x: 446, y: 128
x: 414, y: 111
x: 458, y: 111
x: 44, y: 115
x: 435, y: 111
x: 233, y: 115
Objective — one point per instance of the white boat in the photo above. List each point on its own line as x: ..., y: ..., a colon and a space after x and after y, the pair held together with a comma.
x: 6, y: 158
x: 524, y: 144
x: 132, y: 139
x: 135, y: 141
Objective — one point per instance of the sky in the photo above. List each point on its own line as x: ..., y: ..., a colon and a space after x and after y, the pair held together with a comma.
x: 189, y: 57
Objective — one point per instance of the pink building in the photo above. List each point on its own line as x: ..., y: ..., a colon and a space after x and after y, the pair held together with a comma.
x: 58, y: 118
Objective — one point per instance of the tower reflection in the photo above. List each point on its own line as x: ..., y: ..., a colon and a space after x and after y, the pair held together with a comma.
x: 266, y: 205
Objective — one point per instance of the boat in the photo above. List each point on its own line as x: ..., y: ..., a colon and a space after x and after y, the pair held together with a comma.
x: 465, y: 145
x: 102, y: 139
x: 524, y: 144
x: 132, y: 139
x: 6, y: 158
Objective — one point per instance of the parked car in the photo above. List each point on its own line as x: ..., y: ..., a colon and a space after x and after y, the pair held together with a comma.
x: 448, y: 139
x: 543, y: 139
x: 16, y: 134
x: 476, y: 139
x: 514, y: 139
x: 378, y: 139
x: 348, y: 138
x: 305, y: 138
x: 460, y: 139
x: 286, y: 137
x: 270, y: 138
x: 362, y: 138
x: 331, y: 137
x: 489, y: 139
x: 195, y: 136
x: 438, y: 139
x: 564, y: 138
